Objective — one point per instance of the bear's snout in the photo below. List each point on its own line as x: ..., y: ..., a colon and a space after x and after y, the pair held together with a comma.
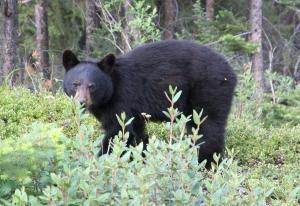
x: 83, y: 96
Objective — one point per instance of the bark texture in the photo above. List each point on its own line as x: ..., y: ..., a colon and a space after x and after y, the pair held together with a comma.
x: 10, y: 41
x: 42, y: 37
x: 210, y: 9
x: 170, y: 12
x: 1, y: 39
x: 256, y: 37
x: 133, y: 34
x: 91, y: 23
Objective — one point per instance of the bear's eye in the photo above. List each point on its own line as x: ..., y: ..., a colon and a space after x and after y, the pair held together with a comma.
x: 76, y: 83
x: 92, y: 87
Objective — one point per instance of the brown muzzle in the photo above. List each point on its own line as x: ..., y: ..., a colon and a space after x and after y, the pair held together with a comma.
x: 83, y: 96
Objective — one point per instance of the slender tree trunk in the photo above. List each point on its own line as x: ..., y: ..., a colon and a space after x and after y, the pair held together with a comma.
x: 159, y: 18
x: 170, y: 13
x: 90, y: 24
x: 256, y: 37
x: 125, y: 33
x: 210, y: 6
x: 10, y: 41
x: 132, y: 34
x: 42, y: 37
x: 1, y: 39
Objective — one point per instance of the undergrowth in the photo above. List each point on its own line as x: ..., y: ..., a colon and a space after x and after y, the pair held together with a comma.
x: 47, y: 163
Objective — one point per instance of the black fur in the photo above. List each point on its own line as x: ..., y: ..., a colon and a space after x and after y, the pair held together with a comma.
x: 136, y: 82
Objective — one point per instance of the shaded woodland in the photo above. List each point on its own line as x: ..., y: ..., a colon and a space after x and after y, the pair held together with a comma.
x: 265, y: 33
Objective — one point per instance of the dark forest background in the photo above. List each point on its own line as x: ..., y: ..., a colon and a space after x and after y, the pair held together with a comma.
x: 35, y: 33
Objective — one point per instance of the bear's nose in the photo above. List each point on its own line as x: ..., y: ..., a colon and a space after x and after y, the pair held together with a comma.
x: 82, y: 101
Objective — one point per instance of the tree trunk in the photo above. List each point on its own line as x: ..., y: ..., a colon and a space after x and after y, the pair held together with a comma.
x: 90, y: 25
x: 132, y: 34
x: 170, y: 13
x: 1, y: 39
x: 256, y: 37
x: 42, y: 38
x: 10, y: 41
x: 210, y: 4
x: 125, y: 33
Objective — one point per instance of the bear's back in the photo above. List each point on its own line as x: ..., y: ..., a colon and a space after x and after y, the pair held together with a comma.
x: 180, y: 57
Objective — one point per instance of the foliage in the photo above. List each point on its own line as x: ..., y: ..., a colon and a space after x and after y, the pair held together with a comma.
x: 257, y: 144
x: 263, y: 170
x: 237, y: 44
x: 143, y: 21
x: 226, y: 29
x: 19, y: 107
x: 246, y: 102
x: 28, y: 160
x: 281, y: 105
x: 131, y: 30
x: 269, y: 156
x: 29, y: 144
x: 284, y: 107
x: 66, y: 26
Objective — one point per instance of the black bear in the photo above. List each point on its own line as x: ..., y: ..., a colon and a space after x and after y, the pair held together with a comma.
x: 135, y: 83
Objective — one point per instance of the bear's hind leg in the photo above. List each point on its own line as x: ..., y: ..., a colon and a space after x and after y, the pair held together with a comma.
x: 211, y: 142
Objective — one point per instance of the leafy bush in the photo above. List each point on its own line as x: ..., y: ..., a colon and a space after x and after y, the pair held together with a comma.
x: 285, y: 104
x: 280, y: 106
x: 132, y: 30
x: 226, y: 32
x: 169, y: 173
x: 269, y: 156
x: 258, y: 145
x: 28, y: 161
x: 19, y: 108
x: 29, y: 144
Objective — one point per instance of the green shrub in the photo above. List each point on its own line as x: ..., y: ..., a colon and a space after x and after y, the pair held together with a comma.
x: 268, y: 156
x: 257, y: 144
x: 169, y: 174
x: 19, y: 107
x: 28, y: 160
x: 285, y: 110
x: 29, y: 143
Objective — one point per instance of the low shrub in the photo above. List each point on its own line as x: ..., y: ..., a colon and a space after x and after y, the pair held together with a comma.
x: 29, y: 140
x: 263, y: 171
x: 28, y: 161
x: 19, y: 107
x: 284, y: 111
x: 168, y: 175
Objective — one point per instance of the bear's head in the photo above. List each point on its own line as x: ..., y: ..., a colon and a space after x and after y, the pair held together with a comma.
x: 88, y: 82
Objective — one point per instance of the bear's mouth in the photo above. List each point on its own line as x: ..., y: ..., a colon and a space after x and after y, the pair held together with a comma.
x: 85, y: 107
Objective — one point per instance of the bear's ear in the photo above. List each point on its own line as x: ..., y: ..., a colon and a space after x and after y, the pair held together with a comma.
x: 69, y: 59
x: 107, y: 63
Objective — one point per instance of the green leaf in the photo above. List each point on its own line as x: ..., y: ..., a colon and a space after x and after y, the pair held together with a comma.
x: 120, y: 121
x: 176, y: 97
x: 166, y: 113
x: 269, y: 192
x: 196, y: 117
x: 129, y: 121
x: 123, y: 116
x: 195, y: 188
x: 104, y: 198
